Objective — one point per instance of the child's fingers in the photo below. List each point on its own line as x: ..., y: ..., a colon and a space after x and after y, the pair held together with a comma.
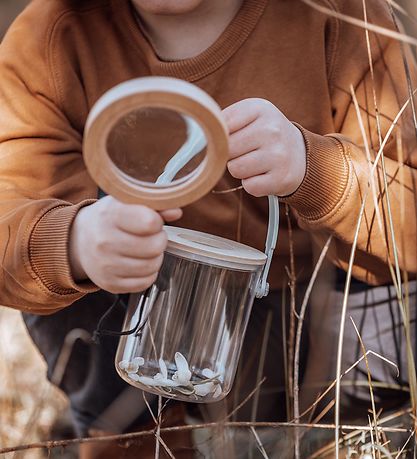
x: 240, y: 114
x: 145, y: 247
x: 258, y: 185
x: 245, y: 140
x: 249, y: 165
x: 171, y: 215
x: 136, y: 219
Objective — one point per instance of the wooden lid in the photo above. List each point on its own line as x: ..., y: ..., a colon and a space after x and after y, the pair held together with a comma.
x: 157, y: 92
x: 210, y: 249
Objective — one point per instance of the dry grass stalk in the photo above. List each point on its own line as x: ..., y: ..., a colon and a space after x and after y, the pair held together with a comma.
x: 412, y: 434
x: 402, y: 10
x: 244, y: 401
x: 188, y: 427
x: 359, y: 435
x: 358, y: 22
x: 262, y: 359
x: 158, y: 439
x: 347, y: 371
x: 148, y: 406
x: 157, y: 420
x: 371, y: 434
x: 298, y: 341
x: 349, y: 272
x: 292, y: 282
x: 259, y: 443
x: 371, y: 391
x: 230, y: 190
x: 285, y: 348
x: 323, y: 412
x: 405, y: 306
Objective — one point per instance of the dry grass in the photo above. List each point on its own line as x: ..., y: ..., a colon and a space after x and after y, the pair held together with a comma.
x: 22, y: 386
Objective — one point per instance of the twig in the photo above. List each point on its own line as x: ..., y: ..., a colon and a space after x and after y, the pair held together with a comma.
x: 238, y: 425
x: 285, y: 348
x: 168, y: 451
x: 230, y: 190
x: 405, y: 444
x: 293, y: 312
x: 261, y: 365
x: 149, y: 408
x: 262, y: 359
x: 158, y: 438
x: 239, y: 218
x: 402, y: 10
x: 323, y: 412
x: 358, y: 22
x: 298, y: 342
x: 258, y: 441
x: 245, y: 400
x: 410, y: 353
x: 371, y: 434
x: 330, y: 387
x: 328, y: 448
x: 368, y: 370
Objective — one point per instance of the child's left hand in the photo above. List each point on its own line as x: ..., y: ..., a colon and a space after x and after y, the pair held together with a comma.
x: 267, y: 152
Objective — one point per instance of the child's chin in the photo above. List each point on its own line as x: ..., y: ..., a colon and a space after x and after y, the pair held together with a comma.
x: 167, y: 7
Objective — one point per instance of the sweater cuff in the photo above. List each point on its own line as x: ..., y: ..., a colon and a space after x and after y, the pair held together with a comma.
x: 326, y: 179
x: 48, y: 251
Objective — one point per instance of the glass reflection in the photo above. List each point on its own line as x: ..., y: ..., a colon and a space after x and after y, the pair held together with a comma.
x: 156, y: 146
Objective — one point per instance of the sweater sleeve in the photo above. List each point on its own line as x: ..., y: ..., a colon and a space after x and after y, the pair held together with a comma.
x: 43, y: 180
x: 338, y: 178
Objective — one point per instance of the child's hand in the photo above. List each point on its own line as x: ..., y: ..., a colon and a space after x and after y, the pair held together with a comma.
x: 267, y: 151
x: 118, y: 246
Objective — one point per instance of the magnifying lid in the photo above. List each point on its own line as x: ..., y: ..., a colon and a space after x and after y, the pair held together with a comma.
x: 156, y: 141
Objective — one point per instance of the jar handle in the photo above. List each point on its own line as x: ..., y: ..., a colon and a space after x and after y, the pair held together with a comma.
x: 194, y: 144
x: 262, y: 289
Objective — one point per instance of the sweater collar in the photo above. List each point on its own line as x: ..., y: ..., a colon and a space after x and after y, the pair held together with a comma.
x: 195, y: 68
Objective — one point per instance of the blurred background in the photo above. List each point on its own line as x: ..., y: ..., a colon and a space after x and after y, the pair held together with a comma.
x: 29, y: 405
x: 8, y: 11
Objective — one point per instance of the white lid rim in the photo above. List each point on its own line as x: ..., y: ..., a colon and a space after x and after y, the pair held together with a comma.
x: 213, y: 261
x: 212, y: 249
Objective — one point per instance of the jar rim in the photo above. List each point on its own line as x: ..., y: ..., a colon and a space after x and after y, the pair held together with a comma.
x: 211, y: 249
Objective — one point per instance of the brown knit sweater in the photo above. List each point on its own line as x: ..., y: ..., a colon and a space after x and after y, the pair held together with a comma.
x: 60, y: 56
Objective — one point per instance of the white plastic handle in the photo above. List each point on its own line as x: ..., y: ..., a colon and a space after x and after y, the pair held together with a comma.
x: 262, y: 288
x: 195, y: 142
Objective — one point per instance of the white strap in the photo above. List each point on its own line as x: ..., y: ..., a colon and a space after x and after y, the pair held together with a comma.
x: 195, y: 142
x: 262, y: 288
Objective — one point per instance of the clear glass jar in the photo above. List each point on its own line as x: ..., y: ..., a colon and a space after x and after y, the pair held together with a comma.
x: 189, y: 326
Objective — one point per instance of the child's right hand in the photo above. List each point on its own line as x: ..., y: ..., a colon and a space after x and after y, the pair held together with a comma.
x: 118, y: 246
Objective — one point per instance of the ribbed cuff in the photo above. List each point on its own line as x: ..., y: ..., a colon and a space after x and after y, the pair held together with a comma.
x: 326, y: 179
x: 48, y: 251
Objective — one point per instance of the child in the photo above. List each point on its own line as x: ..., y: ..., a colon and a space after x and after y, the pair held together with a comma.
x: 283, y: 73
